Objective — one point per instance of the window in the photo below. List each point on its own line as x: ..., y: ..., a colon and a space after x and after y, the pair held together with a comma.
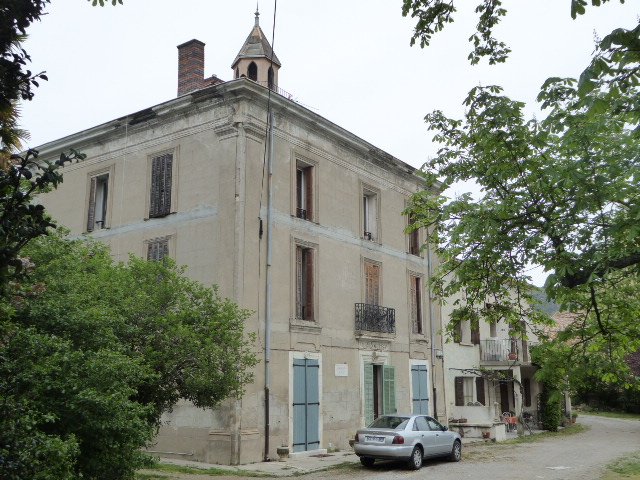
x: 379, y: 391
x: 493, y: 328
x: 480, y: 396
x: 304, y: 283
x: 463, y: 390
x: 157, y: 249
x: 414, y: 238
x: 304, y: 191
x: 371, y: 283
x: 252, y: 71
x: 457, y: 332
x: 161, y: 173
x: 98, y: 195
x: 415, y: 302
x: 475, y: 332
x: 370, y: 215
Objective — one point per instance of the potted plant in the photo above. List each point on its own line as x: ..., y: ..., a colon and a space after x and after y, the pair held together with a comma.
x: 513, y: 356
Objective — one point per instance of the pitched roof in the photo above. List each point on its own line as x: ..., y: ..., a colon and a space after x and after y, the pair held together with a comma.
x: 256, y: 46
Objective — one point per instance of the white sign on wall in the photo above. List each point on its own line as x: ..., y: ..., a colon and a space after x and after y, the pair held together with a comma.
x: 342, y: 370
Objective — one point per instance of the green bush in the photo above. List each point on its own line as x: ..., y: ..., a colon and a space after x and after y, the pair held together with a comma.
x: 551, y: 409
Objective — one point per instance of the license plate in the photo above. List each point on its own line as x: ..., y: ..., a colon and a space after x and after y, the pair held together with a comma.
x: 373, y: 438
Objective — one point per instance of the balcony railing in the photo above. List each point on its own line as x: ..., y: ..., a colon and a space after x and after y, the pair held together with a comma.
x: 374, y: 318
x: 505, y: 350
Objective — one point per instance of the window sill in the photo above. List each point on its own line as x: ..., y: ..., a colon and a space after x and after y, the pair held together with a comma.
x: 466, y: 344
x: 304, y: 326
x: 366, y: 335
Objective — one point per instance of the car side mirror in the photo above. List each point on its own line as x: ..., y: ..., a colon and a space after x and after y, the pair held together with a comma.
x: 445, y: 428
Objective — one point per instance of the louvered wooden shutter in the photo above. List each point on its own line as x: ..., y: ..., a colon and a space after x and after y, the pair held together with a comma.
x: 414, y: 304
x: 459, y: 389
x: 158, y: 249
x: 480, y: 390
x: 152, y: 248
x: 369, y: 407
x: 308, y: 183
x: 299, y: 286
x: 372, y: 283
x: 91, y: 216
x: 308, y: 284
x: 161, y: 178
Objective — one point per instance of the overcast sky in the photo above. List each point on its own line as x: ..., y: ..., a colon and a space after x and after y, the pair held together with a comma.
x: 348, y: 60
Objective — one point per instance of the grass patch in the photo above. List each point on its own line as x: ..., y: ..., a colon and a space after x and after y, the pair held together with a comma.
x: 625, y: 416
x: 170, y: 468
x: 627, y: 467
x: 572, y: 429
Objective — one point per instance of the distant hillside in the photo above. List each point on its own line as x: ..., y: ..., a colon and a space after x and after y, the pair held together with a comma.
x: 545, y: 306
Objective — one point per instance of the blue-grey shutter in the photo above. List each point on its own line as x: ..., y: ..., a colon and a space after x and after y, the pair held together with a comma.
x: 388, y: 390
x: 368, y: 394
x: 313, y: 405
x: 91, y: 215
x: 420, y: 387
x: 306, y: 405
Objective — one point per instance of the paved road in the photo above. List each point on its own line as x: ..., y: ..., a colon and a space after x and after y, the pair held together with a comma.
x: 581, y: 456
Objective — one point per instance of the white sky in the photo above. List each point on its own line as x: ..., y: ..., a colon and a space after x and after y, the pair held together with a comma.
x: 348, y: 60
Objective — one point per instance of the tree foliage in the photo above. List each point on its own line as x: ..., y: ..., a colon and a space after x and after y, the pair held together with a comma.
x: 94, y: 352
x: 562, y: 193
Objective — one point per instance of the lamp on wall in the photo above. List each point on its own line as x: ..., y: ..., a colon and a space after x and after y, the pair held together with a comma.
x: 439, y: 353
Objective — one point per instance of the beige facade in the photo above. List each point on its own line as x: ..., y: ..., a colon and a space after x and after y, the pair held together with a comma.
x: 349, y: 311
x: 488, y: 373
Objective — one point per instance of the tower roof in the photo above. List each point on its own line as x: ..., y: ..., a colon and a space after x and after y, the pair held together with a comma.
x: 256, y: 46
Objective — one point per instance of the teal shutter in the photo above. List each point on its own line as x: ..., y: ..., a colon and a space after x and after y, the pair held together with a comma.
x: 420, y: 387
x: 388, y: 390
x: 368, y: 394
x: 306, y: 405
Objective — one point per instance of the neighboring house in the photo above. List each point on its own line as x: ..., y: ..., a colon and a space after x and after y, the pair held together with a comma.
x: 488, y: 372
x: 340, y: 310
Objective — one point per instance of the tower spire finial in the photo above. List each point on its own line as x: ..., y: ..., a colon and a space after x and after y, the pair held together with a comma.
x: 257, y: 15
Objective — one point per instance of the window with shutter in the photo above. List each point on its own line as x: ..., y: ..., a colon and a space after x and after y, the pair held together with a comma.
x: 304, y: 283
x: 369, y: 397
x: 372, y: 283
x: 475, y: 332
x: 414, y: 238
x: 98, y: 195
x: 459, y: 391
x: 304, y: 191
x: 415, y: 293
x: 420, y: 389
x: 389, y: 390
x: 480, y: 397
x: 161, y: 179
x: 370, y: 215
x: 157, y: 249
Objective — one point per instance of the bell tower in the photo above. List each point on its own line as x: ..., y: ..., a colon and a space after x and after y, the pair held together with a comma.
x: 256, y: 60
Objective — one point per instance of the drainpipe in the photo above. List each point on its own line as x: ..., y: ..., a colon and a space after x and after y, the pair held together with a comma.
x: 267, y: 320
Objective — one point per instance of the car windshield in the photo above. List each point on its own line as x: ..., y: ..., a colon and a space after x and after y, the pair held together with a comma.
x: 396, y: 423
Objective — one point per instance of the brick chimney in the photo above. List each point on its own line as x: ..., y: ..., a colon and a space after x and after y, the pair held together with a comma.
x: 190, y: 66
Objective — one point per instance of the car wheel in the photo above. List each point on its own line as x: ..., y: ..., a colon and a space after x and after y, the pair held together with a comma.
x: 456, y: 452
x: 367, y: 461
x: 415, y: 461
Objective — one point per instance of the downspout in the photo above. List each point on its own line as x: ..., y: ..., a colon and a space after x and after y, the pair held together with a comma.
x: 267, y: 319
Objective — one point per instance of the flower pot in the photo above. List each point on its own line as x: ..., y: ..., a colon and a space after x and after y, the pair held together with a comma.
x: 283, y: 452
x: 513, y: 356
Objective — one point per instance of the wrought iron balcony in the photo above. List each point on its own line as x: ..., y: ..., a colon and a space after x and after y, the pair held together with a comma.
x: 374, y: 318
x: 503, y: 350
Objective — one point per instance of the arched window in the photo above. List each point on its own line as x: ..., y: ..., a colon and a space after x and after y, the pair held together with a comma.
x: 270, y: 78
x: 252, y: 71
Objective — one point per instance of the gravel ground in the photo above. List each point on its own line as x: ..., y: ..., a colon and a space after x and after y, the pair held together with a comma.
x: 582, y: 456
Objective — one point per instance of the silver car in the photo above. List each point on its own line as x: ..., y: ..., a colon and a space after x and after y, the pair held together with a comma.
x: 406, y: 437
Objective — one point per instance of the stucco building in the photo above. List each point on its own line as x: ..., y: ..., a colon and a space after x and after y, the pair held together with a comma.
x: 301, y: 223
x: 489, y: 373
